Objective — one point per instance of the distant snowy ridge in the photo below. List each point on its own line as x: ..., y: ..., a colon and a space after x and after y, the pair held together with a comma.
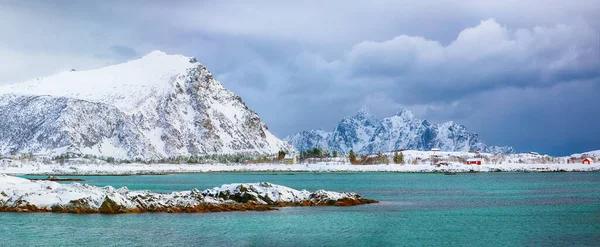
x: 593, y: 154
x: 309, y: 139
x: 364, y: 133
x: 155, y: 107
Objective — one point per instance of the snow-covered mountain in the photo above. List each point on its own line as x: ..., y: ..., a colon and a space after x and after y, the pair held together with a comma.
x: 364, y: 133
x: 310, y: 139
x: 354, y: 132
x: 154, y: 107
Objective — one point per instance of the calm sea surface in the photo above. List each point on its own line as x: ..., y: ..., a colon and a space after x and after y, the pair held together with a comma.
x: 484, y: 209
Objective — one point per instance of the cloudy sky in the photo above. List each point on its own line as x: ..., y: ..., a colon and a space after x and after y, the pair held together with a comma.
x: 519, y: 73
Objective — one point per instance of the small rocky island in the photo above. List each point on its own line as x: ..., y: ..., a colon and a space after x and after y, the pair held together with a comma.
x: 23, y: 195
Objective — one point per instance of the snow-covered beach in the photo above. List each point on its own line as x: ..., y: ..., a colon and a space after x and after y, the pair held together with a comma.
x: 414, y: 161
x: 34, y: 168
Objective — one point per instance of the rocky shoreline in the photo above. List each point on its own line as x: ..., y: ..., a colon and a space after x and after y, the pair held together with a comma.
x: 22, y: 195
x: 57, y: 179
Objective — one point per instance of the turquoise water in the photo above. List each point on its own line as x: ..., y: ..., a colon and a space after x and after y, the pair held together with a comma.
x: 484, y: 209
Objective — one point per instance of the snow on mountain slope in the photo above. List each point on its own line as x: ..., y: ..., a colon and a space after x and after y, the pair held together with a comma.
x: 595, y: 153
x: 354, y: 132
x: 154, y: 107
x: 309, y: 139
x: 400, y: 130
x: 124, y: 86
x: 364, y: 133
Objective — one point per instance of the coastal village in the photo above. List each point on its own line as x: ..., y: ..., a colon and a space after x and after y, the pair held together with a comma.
x: 432, y: 161
x: 434, y: 157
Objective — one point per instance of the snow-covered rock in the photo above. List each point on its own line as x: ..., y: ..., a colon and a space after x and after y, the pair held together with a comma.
x: 272, y: 194
x: 23, y: 195
x: 364, y: 133
x: 154, y: 107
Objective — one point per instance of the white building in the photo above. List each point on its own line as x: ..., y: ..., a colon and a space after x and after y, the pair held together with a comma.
x: 290, y: 159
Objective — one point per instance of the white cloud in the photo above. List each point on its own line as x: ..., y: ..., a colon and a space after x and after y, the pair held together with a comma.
x: 38, y: 40
x: 483, y: 57
x: 22, y: 66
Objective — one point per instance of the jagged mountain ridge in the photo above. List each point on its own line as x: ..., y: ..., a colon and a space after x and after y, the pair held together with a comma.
x: 364, y: 133
x: 310, y: 139
x: 154, y: 107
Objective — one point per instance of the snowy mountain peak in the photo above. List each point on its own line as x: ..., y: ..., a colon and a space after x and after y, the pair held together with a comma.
x: 405, y: 113
x: 401, y: 131
x: 156, y: 53
x: 451, y: 124
x: 364, y: 112
x: 123, y: 85
x: 157, y: 106
x: 310, y: 139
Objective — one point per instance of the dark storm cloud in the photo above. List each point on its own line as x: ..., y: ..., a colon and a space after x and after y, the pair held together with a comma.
x: 558, y: 119
x: 515, y: 72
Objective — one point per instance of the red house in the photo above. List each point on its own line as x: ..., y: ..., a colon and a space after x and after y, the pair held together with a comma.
x: 586, y: 160
x: 474, y: 161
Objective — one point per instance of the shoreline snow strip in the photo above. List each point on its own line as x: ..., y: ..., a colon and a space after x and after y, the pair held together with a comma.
x: 38, y: 168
